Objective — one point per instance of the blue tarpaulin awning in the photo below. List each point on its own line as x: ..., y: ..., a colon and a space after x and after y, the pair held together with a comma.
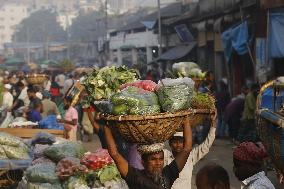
x: 276, y: 31
x: 177, y: 52
x: 235, y: 38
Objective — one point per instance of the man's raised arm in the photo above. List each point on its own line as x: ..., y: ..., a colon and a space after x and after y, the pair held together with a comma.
x: 120, y: 162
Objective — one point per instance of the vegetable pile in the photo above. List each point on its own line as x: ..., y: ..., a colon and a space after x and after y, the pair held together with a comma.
x: 103, y: 83
x: 64, y: 165
x: 188, y: 69
x: 175, y: 94
x: 135, y: 101
x: 202, y: 101
x: 12, y: 147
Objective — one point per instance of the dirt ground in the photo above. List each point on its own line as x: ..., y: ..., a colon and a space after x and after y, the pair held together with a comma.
x: 220, y: 153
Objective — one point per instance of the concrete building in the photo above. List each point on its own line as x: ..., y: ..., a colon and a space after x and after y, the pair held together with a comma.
x: 10, y: 16
x: 121, y: 6
x: 137, y: 42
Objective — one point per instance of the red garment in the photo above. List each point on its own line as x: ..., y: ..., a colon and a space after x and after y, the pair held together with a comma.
x: 54, y: 91
x: 249, y: 152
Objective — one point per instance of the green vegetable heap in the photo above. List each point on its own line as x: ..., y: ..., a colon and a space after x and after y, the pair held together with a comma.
x: 103, y: 83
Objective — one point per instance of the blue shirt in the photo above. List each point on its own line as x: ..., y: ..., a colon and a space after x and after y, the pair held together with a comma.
x: 34, y: 116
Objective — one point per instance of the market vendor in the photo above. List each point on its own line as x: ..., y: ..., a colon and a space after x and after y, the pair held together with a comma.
x: 70, y: 121
x: 155, y: 175
x: 7, y: 97
x: 177, y: 143
x: 248, y: 160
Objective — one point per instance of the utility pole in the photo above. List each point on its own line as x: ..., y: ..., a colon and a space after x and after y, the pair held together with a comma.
x: 160, y: 29
x: 28, y: 45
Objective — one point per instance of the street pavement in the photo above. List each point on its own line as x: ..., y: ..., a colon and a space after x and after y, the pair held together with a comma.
x: 220, y: 153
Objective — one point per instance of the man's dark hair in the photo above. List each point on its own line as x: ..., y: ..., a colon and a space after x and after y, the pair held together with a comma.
x: 254, y: 87
x: 175, y: 138
x: 208, y: 73
x: 216, y: 175
x: 145, y: 157
x: 31, y: 90
x: 20, y: 84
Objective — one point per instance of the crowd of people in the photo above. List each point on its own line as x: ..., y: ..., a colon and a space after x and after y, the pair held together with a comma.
x: 154, y: 166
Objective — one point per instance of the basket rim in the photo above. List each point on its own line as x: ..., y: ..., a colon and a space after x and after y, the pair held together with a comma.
x: 35, y: 76
x: 156, y: 116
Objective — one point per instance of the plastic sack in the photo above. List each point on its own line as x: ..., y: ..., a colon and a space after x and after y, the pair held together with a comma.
x: 38, y: 150
x: 103, y: 106
x: 2, y: 153
x: 42, y: 160
x: 44, y: 186
x: 108, y: 173
x: 135, y: 101
x: 68, y: 167
x: 97, y: 160
x: 175, y: 94
x: 9, y: 140
x: 43, y: 138
x: 8, y: 119
x: 75, y: 183
x: 86, y: 123
x: 50, y: 122
x: 147, y: 85
x: 20, y: 152
x: 62, y: 150
x: 42, y: 173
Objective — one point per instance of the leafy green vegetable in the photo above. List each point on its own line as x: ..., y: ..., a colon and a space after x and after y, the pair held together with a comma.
x: 103, y: 83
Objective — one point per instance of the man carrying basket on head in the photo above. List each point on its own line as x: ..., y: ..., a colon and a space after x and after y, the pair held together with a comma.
x: 155, y: 175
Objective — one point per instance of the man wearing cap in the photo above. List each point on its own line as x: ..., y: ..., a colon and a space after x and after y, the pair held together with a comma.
x: 49, y: 107
x: 248, y: 161
x: 7, y: 97
x: 154, y: 175
x: 176, y: 144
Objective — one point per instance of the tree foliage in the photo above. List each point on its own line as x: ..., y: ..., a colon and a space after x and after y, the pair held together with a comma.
x: 87, y: 26
x: 67, y: 65
x: 40, y: 26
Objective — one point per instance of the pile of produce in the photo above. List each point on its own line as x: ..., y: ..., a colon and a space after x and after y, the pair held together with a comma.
x: 65, y: 165
x: 103, y: 83
x: 175, y: 94
x: 147, y: 85
x: 62, y: 150
x: 134, y: 101
x: 188, y: 69
x: 12, y: 147
x: 202, y: 101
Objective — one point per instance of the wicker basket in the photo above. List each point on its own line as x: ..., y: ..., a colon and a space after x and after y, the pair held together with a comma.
x: 36, y: 79
x: 272, y: 136
x: 10, y: 178
x: 271, y: 130
x: 153, y: 128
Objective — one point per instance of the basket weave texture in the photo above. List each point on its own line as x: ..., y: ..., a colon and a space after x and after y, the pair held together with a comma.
x: 153, y: 128
x: 36, y: 79
x: 272, y: 136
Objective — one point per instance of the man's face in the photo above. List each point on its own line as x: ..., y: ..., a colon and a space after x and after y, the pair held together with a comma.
x: 31, y: 95
x: 241, y: 170
x: 66, y: 104
x: 154, y: 164
x: 176, y: 144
